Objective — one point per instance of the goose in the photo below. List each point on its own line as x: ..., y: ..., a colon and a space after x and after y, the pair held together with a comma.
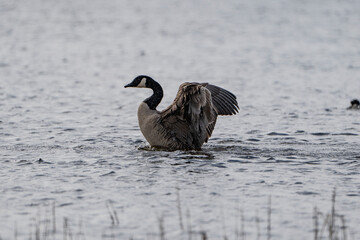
x: 189, y: 121
x: 355, y: 104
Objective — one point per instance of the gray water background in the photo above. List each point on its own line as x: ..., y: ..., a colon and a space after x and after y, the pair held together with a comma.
x: 293, y: 65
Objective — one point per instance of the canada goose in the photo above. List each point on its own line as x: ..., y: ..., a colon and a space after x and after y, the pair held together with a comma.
x: 355, y: 104
x: 189, y: 121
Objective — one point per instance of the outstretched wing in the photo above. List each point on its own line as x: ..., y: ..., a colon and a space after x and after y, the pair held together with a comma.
x: 223, y: 100
x: 191, y: 117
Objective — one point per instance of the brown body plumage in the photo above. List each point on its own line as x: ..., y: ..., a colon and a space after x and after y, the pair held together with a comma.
x: 189, y: 121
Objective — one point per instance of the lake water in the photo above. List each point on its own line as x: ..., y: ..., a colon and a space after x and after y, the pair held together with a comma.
x: 293, y: 65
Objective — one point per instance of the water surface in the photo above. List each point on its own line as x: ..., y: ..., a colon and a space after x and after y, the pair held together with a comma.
x: 294, y: 67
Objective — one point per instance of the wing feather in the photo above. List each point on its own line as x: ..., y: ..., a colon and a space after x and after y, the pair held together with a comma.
x: 190, y: 120
x: 191, y: 117
x: 224, y: 101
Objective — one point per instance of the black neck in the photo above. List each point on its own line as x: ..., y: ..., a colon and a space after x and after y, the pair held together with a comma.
x: 154, y: 99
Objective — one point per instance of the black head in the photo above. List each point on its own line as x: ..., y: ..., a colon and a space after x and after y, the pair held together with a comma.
x: 355, y: 102
x: 141, y: 81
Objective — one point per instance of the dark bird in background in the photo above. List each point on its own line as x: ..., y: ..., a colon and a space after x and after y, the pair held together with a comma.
x: 355, y: 104
x: 189, y: 121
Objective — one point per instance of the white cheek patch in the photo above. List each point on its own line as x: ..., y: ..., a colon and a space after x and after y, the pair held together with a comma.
x: 142, y: 84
